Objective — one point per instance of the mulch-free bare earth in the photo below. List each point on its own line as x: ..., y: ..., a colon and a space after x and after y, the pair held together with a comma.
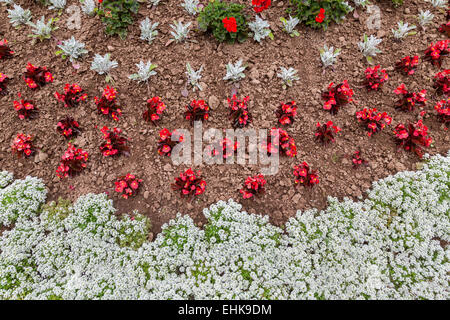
x: 156, y: 198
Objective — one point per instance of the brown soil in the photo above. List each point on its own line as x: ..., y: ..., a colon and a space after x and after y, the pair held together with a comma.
x: 160, y: 203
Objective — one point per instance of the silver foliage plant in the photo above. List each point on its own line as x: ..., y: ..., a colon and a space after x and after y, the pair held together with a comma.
x: 386, y: 246
x: 145, y: 71
x: 289, y: 26
x: 57, y: 4
x: 235, y: 72
x: 404, y: 30
x: 7, y: 2
x: 18, y: 16
x: 103, y: 64
x: 368, y: 47
x: 154, y: 2
x: 88, y: 7
x: 191, y: 6
x: 438, y: 3
x: 425, y: 18
x: 180, y: 31
x: 328, y: 56
x: 287, y: 76
x: 361, y: 3
x: 194, y: 76
x: 260, y: 29
x: 148, y: 30
x: 73, y: 49
x: 42, y: 30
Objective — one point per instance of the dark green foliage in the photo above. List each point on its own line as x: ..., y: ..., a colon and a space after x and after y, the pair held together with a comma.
x: 210, y: 20
x: 118, y: 15
x: 307, y: 10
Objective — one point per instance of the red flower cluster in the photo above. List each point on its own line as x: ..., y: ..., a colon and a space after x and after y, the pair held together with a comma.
x: 25, y: 108
x: 68, y: 127
x: 412, y: 137
x: 36, y: 77
x: 373, y: 121
x: 166, y: 142
x: 239, y: 114
x: 337, y: 96
x: 409, y: 99
x: 442, y: 82
x: 3, y: 82
x: 189, y: 184
x: 197, y: 110
x: 286, y: 112
x: 114, y: 143
x: 230, y: 24
x: 436, y: 52
x: 226, y: 145
x: 408, y: 65
x: 127, y: 185
x: 443, y: 110
x: 445, y: 28
x: 280, y: 141
x: 260, y: 5
x: 253, y: 186
x: 72, y: 96
x: 375, y: 78
x: 5, y: 51
x: 325, y: 133
x: 23, y: 145
x: 107, y: 104
x: 155, y: 109
x: 357, y: 160
x: 73, y: 161
x: 305, y: 176
x: 321, y: 16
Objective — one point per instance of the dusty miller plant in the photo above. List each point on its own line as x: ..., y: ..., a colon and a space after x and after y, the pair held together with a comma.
x: 361, y: 3
x: 72, y: 48
x: 404, y: 30
x: 19, y: 16
x: 103, y: 65
x: 57, y: 4
x: 235, y: 72
x: 148, y: 30
x: 329, y: 55
x: 88, y: 7
x: 191, y: 6
x: 42, y: 30
x: 180, y: 31
x: 368, y: 47
x: 260, y: 29
x: 7, y: 2
x: 154, y: 2
x: 287, y: 76
x: 438, y: 3
x: 425, y: 18
x: 145, y: 71
x: 194, y: 76
x: 289, y: 26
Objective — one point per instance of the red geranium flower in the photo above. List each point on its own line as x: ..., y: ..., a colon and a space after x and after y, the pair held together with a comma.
x: 260, y: 5
x: 305, y: 176
x: 23, y: 145
x: 253, y: 186
x: 189, y: 184
x: 321, y: 16
x: 230, y: 24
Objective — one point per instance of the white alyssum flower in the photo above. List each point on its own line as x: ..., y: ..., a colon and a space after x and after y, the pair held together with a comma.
x: 194, y: 76
x: 180, y: 31
x: 145, y: 71
x: 103, y: 64
x: 235, y: 72
x: 404, y: 30
x: 289, y: 25
x: 260, y: 29
x: 18, y: 16
x: 88, y: 7
x: 329, y: 55
x: 5, y: 178
x: 73, y: 49
x: 287, y: 76
x: 191, y: 6
x: 425, y: 17
x: 148, y: 30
